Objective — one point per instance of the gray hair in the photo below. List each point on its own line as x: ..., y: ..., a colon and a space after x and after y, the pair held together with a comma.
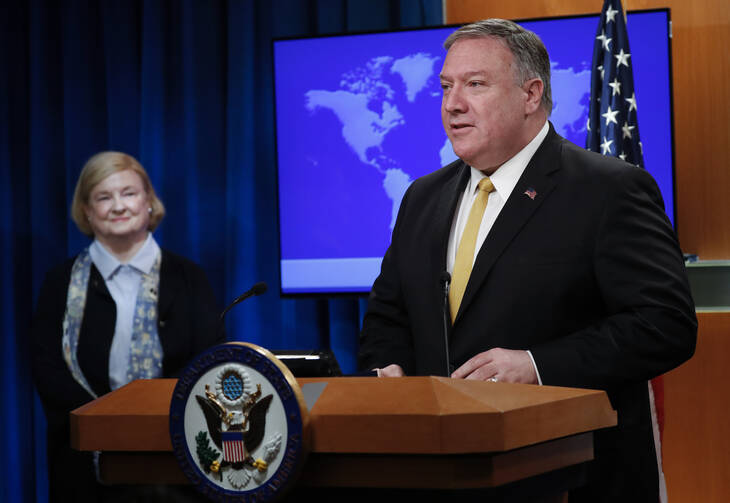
x: 531, y: 57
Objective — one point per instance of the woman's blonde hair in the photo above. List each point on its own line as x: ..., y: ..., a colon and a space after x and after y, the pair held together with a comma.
x: 98, y: 168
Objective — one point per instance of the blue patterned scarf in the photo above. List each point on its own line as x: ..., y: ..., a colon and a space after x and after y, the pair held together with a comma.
x: 145, y: 358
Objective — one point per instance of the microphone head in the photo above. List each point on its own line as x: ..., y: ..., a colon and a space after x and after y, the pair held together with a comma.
x: 259, y: 288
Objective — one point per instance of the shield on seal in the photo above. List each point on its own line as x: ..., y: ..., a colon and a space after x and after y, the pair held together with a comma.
x: 234, y: 449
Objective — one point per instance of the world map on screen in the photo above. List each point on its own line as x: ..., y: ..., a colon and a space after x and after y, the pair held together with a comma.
x: 358, y: 120
x: 373, y: 100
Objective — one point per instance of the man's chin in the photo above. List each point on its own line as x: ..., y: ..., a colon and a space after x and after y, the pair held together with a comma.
x: 460, y: 152
x: 464, y: 155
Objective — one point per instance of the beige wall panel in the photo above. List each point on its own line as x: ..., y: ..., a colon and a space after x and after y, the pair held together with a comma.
x: 697, y: 422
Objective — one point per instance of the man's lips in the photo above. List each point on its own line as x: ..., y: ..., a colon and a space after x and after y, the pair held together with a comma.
x: 460, y: 127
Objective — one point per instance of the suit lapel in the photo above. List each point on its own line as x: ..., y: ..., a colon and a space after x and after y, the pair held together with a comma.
x: 516, y: 212
x: 444, y: 215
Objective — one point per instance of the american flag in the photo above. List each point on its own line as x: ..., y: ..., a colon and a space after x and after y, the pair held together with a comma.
x: 233, y: 447
x: 613, y: 128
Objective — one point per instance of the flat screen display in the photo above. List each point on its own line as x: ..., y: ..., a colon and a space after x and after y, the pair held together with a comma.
x: 358, y: 119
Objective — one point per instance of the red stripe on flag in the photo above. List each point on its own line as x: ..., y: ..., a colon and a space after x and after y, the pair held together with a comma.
x: 233, y: 450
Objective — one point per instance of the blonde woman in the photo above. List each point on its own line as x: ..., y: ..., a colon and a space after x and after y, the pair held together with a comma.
x: 123, y: 309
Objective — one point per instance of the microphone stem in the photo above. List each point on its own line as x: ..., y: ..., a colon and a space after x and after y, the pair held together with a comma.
x: 447, y: 323
x: 257, y: 289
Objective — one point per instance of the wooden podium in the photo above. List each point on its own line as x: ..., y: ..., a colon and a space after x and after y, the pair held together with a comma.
x: 430, y: 433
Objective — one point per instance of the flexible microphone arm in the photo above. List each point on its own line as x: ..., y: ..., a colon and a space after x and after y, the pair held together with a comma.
x: 445, y: 281
x: 257, y: 289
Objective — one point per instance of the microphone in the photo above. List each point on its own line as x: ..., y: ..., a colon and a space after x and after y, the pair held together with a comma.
x: 445, y: 281
x: 257, y: 289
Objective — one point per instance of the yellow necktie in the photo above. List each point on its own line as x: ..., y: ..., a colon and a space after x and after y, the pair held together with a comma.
x: 465, y: 252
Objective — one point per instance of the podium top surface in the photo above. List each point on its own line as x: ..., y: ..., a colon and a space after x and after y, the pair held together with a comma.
x: 408, y: 415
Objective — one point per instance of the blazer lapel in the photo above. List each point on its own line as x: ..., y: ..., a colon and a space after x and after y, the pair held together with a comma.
x: 444, y: 215
x: 533, y: 187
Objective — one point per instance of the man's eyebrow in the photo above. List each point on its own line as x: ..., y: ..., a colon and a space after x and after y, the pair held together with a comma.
x: 465, y: 75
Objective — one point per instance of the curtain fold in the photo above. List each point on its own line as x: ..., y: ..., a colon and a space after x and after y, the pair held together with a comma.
x: 186, y: 87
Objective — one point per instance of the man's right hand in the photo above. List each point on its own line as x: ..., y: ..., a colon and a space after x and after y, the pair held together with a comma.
x: 392, y: 370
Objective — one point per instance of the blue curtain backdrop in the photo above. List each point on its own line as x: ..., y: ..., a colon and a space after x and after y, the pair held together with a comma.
x: 187, y: 88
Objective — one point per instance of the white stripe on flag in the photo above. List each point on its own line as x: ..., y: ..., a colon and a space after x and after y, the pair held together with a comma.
x: 233, y: 450
x: 657, y: 446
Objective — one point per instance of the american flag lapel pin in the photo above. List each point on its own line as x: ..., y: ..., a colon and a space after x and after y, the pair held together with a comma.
x: 531, y: 193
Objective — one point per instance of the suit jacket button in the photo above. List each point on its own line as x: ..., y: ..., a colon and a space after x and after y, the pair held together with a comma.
x: 162, y: 323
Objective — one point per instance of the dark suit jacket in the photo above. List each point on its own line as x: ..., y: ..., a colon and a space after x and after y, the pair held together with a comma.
x: 588, y: 276
x: 187, y: 324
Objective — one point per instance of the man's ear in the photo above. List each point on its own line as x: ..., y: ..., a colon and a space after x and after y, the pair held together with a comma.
x: 533, y: 89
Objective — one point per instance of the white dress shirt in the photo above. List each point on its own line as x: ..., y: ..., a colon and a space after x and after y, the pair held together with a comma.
x: 122, y: 281
x: 504, y: 180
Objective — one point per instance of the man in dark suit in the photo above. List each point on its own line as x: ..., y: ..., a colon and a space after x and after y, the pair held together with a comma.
x: 564, y: 268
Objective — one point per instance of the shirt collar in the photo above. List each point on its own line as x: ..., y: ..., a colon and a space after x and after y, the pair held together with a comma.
x: 108, y: 264
x: 506, y: 176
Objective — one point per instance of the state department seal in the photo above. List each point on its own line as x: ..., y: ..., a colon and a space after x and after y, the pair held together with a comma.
x: 239, y: 424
